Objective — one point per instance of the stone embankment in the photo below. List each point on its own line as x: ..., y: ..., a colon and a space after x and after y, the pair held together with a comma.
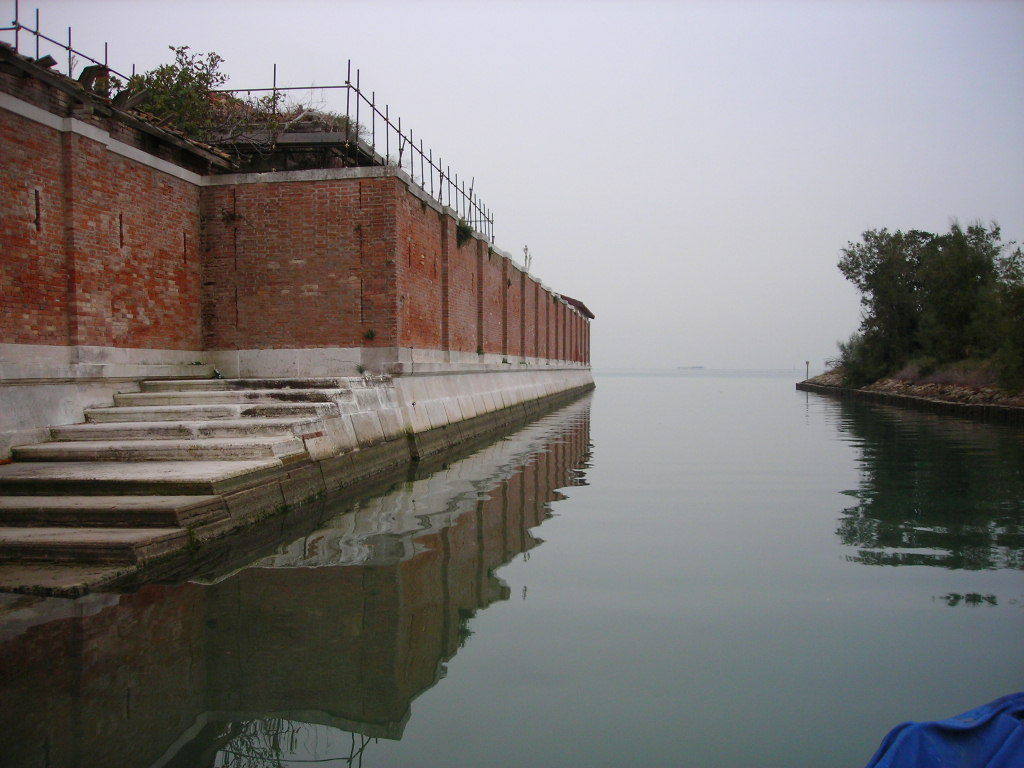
x: 983, y: 403
x: 184, y: 462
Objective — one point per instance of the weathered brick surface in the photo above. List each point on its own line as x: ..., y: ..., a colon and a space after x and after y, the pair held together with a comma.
x: 513, y: 309
x: 33, y: 273
x: 529, y: 324
x: 110, y: 259
x: 492, y: 281
x: 300, y: 264
x: 420, y: 265
x: 463, y: 286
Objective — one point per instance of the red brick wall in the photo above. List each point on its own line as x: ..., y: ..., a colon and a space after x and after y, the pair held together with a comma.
x: 564, y: 329
x: 560, y: 331
x: 123, y: 255
x: 301, y: 264
x: 33, y: 277
x: 556, y: 328
x: 547, y: 309
x: 421, y: 264
x: 492, y: 290
x: 463, y: 285
x: 586, y: 342
x: 529, y: 317
x: 514, y: 310
x: 575, y: 336
x: 570, y: 342
x: 114, y: 259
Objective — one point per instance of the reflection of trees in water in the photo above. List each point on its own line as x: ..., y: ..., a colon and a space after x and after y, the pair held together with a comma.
x: 934, y: 491
x: 970, y: 599
x: 279, y: 743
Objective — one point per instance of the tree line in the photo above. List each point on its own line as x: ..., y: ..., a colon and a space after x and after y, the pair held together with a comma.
x: 932, y: 299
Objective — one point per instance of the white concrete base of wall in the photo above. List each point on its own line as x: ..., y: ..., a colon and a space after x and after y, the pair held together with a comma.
x: 44, y: 386
x: 388, y: 407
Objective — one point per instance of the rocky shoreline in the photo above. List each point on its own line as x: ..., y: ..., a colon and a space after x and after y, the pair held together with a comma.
x: 983, y: 403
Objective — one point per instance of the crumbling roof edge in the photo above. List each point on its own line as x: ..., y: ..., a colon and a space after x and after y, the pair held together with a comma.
x: 104, y: 106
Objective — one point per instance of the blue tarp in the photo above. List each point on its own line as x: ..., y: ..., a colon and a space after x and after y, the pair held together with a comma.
x: 991, y: 736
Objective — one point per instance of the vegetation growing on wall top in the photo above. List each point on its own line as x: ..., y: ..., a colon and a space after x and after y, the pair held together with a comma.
x: 181, y: 95
x: 463, y: 231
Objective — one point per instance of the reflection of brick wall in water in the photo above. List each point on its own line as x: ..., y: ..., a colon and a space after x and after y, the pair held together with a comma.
x: 357, y: 643
x: 112, y: 688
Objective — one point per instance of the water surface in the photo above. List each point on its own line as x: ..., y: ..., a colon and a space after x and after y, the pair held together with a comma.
x: 684, y: 570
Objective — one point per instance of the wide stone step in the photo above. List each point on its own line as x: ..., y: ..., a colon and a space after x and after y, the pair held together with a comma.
x: 159, y: 478
x: 185, y: 412
x: 89, y: 545
x: 111, y: 511
x: 169, y: 430
x: 215, y: 448
x: 188, y: 385
x: 200, y: 397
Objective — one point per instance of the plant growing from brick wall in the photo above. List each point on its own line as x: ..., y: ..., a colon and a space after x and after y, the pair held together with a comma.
x: 463, y: 231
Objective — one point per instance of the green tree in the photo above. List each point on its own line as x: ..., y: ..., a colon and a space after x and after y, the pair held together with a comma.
x: 938, y: 298
x: 1009, y: 318
x: 957, y: 279
x: 884, y: 266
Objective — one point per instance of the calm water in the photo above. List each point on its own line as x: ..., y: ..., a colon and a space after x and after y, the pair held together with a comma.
x: 699, y: 570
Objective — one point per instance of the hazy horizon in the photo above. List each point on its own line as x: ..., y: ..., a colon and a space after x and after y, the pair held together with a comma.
x: 688, y: 170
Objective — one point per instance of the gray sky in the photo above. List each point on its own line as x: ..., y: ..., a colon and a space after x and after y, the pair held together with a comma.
x: 689, y: 170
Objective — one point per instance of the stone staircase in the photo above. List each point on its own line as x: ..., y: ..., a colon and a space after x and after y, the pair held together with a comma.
x: 140, y: 478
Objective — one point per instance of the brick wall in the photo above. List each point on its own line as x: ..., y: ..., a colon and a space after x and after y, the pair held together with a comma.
x: 98, y: 249
x: 513, y: 309
x: 421, y: 262
x: 492, y: 282
x: 302, y: 264
x: 33, y: 274
x: 529, y: 332
x: 463, y: 289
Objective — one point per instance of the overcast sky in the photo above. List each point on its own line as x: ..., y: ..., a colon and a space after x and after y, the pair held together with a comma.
x: 689, y: 170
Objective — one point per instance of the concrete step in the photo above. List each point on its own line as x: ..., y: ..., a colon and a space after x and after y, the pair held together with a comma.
x: 212, y: 448
x: 184, y: 385
x: 198, y: 397
x: 140, y: 478
x: 88, y: 545
x: 186, y: 412
x: 58, y: 579
x: 169, y: 430
x: 111, y: 511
